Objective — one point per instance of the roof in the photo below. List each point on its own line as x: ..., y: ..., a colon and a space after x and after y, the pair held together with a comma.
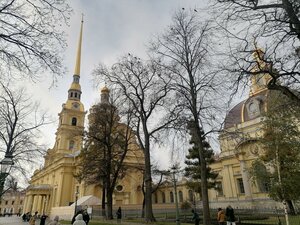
x: 242, y: 111
x: 88, y: 200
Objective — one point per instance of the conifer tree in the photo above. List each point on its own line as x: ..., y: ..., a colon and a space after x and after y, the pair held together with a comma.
x: 193, y: 162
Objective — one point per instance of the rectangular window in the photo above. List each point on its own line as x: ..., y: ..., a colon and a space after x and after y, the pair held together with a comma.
x: 241, y: 185
x: 219, y: 188
x: 263, y: 186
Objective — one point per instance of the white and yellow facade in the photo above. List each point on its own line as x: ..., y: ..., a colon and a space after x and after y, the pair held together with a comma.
x: 240, y: 147
x: 53, y: 188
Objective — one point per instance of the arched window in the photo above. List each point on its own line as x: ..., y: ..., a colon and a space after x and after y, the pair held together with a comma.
x: 71, y: 145
x: 71, y: 95
x: 75, y: 95
x: 171, y: 197
x: 191, y: 196
x: 74, y: 121
x: 180, y: 196
x: 163, y: 197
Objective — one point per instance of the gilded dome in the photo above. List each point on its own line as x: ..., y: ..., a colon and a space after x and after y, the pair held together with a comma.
x: 105, y: 89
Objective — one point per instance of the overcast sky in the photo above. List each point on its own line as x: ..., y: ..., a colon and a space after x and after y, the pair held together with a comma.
x: 111, y: 29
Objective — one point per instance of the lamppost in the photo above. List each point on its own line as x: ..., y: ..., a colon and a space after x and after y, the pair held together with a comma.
x: 174, y: 169
x: 76, y: 198
x: 5, y: 165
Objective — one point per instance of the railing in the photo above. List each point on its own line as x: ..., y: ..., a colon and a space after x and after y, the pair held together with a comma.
x: 265, y: 216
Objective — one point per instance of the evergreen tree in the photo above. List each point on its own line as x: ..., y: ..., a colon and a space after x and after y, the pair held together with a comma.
x: 193, y: 162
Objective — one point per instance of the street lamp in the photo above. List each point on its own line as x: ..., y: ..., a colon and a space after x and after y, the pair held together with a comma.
x: 5, y: 166
x: 76, y: 198
x: 174, y: 169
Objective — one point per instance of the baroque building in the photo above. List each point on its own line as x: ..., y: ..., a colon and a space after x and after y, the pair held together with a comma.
x: 239, y: 142
x: 11, y: 203
x: 54, y: 188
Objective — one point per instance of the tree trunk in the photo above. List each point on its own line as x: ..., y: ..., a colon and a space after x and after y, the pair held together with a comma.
x: 109, y: 204
x: 149, y: 217
x: 291, y: 207
x: 204, y: 188
x: 103, y: 201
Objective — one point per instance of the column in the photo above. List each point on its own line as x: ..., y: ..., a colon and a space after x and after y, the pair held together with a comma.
x: 28, y: 204
x: 25, y: 204
x: 34, y: 204
x: 40, y: 204
x: 245, y: 177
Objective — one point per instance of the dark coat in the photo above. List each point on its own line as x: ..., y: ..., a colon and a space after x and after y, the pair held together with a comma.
x: 119, y: 213
x: 230, y: 214
x: 86, y: 217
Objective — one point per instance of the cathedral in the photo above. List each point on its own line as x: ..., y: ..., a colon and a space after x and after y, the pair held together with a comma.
x: 54, y: 188
x: 55, y: 184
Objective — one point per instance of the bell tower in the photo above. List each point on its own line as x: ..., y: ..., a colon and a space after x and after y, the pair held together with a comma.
x: 260, y: 76
x: 71, y: 118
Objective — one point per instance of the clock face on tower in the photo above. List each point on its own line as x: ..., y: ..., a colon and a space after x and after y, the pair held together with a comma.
x: 75, y: 105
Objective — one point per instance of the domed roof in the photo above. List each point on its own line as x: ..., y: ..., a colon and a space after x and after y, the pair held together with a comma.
x: 247, y: 110
x: 105, y: 89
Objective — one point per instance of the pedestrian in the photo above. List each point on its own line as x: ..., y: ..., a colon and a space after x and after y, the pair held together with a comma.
x: 79, y: 220
x: 33, y: 219
x: 195, y: 217
x: 55, y: 221
x: 24, y: 217
x: 74, y: 217
x: 119, y: 214
x: 43, y: 219
x: 221, y: 216
x: 230, y: 218
x: 86, y: 217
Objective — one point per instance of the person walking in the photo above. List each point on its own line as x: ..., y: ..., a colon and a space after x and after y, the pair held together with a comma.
x: 55, y: 221
x: 43, y: 219
x: 119, y: 214
x: 221, y: 216
x: 195, y: 217
x: 86, y: 217
x: 33, y: 219
x: 74, y: 217
x: 230, y: 218
x: 79, y: 220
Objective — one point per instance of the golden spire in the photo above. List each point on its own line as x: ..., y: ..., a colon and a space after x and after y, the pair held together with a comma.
x: 78, y: 57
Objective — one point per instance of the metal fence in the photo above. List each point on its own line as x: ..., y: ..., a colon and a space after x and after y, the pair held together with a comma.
x: 267, y: 216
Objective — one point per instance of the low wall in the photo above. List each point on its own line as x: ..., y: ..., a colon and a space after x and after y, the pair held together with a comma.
x: 64, y: 212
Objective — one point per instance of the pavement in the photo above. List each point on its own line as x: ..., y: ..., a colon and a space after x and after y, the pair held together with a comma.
x: 13, y: 220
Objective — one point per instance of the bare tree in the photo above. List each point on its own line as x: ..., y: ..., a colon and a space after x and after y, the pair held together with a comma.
x: 185, y: 50
x: 273, y: 26
x: 109, y: 141
x: 31, y: 37
x: 146, y: 93
x: 20, y: 123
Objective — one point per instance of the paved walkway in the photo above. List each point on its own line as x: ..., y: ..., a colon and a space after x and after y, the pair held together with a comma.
x: 12, y: 220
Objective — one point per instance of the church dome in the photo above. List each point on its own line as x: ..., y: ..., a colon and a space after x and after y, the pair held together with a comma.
x: 104, y: 90
x: 247, y: 110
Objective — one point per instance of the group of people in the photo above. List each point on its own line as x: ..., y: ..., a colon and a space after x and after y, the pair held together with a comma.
x: 222, y: 216
x: 31, y: 219
x: 81, y: 218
